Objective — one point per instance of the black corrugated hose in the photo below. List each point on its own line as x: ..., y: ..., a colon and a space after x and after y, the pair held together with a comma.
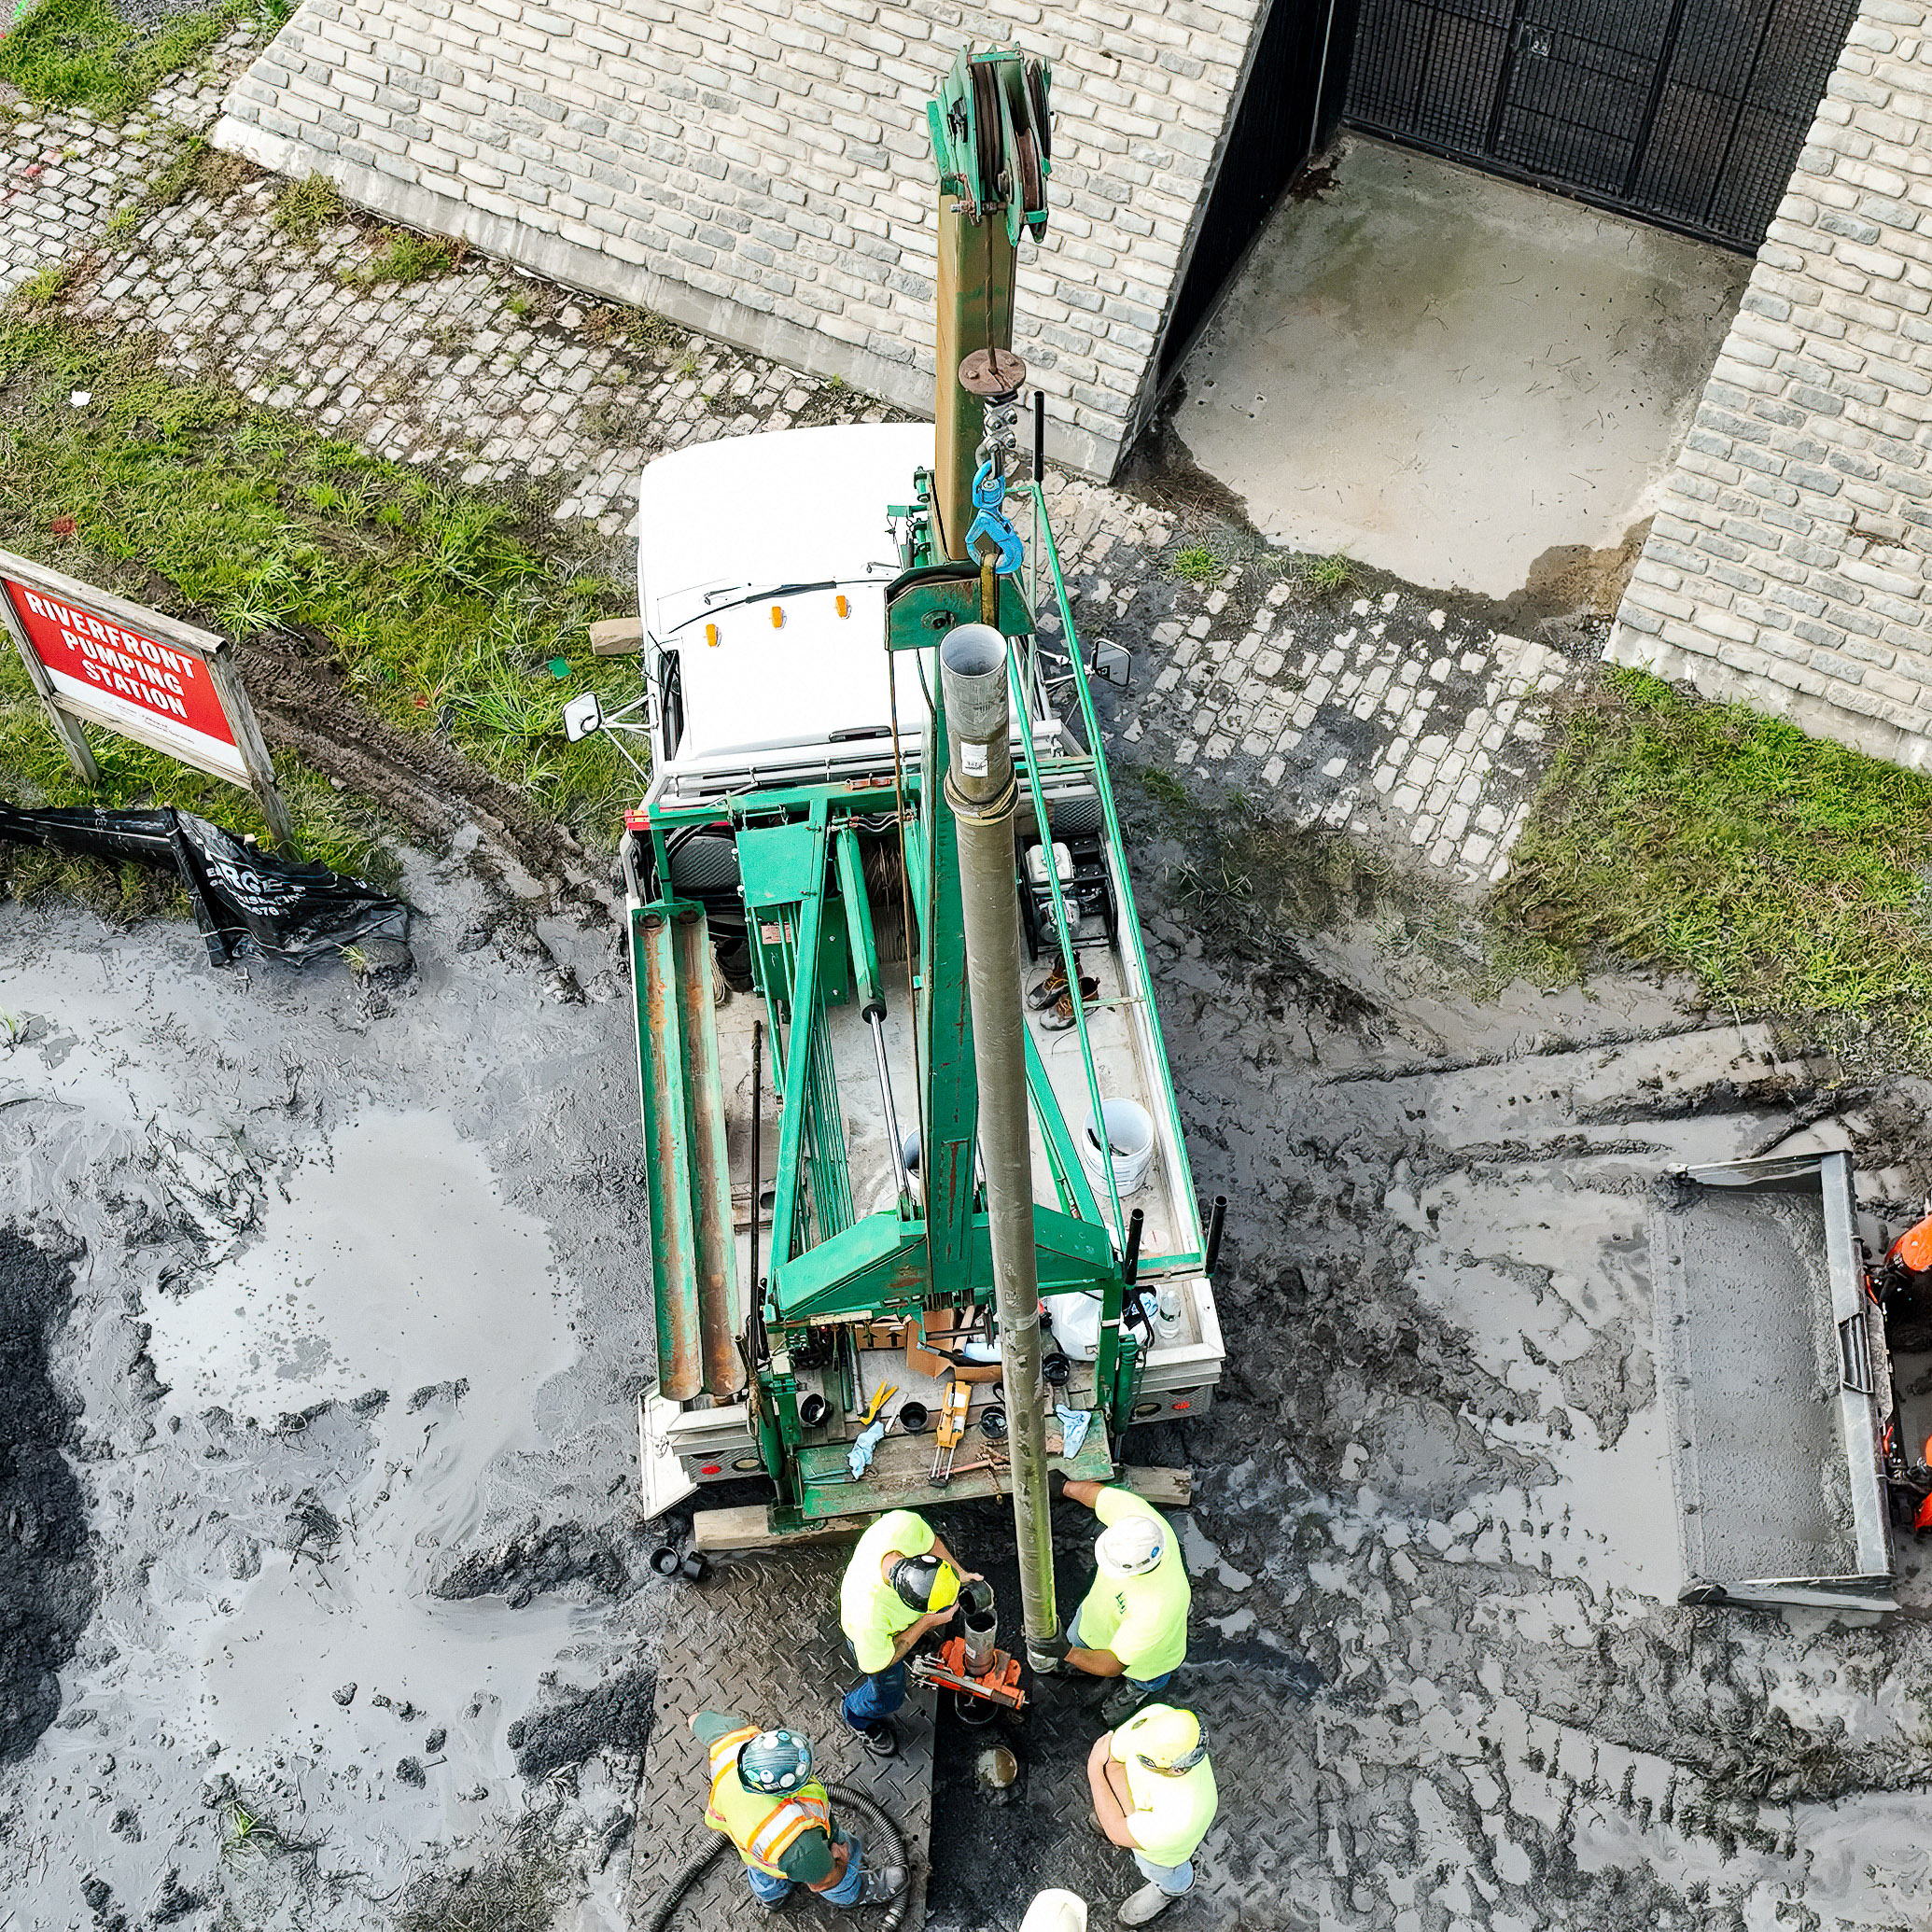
x: 844, y: 1799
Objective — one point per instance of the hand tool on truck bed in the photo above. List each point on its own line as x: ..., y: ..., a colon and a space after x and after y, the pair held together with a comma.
x: 953, y: 1406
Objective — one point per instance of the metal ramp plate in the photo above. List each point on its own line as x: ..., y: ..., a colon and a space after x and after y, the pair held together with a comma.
x: 760, y: 1638
x: 1266, y: 1819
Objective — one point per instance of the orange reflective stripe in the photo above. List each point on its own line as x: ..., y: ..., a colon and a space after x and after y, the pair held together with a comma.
x: 725, y: 1756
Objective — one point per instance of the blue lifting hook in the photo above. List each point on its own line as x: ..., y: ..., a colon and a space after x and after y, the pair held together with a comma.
x: 989, y: 493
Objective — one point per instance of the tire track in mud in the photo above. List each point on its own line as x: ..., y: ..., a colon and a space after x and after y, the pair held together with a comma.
x: 430, y: 786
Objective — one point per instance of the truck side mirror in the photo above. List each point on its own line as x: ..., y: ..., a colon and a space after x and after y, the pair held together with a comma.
x: 583, y: 714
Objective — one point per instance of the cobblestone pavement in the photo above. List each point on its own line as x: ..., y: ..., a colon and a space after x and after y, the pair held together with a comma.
x: 1391, y: 720
x: 63, y: 174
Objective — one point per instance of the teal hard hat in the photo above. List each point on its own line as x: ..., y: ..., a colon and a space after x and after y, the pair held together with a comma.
x: 775, y: 1760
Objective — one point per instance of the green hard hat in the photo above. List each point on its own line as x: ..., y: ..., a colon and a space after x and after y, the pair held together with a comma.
x: 775, y: 1760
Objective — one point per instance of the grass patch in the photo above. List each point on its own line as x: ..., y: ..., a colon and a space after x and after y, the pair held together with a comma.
x: 1328, y: 575
x: 404, y: 257
x: 1786, y: 874
x: 80, y: 53
x: 304, y: 208
x: 1195, y: 564
x: 45, y: 289
x: 434, y: 602
x: 1260, y: 891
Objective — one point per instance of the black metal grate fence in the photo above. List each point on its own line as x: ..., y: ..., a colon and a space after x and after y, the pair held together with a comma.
x: 1688, y: 112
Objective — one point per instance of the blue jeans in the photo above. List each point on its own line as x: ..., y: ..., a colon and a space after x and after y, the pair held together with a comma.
x: 877, y: 1697
x: 1172, y: 1879
x: 768, y: 1890
x: 1160, y: 1683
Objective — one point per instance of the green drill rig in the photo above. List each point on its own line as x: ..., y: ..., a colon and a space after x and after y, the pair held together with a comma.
x: 820, y: 1255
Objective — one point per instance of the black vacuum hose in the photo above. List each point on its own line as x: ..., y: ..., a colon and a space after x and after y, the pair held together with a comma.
x: 844, y: 1799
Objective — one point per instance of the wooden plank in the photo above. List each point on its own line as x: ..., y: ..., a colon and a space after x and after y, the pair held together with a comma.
x: 66, y: 728
x: 249, y: 742
x: 1168, y: 1489
x: 747, y: 1527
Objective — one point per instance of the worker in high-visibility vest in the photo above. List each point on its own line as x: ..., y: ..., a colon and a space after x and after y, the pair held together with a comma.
x: 1133, y: 1623
x: 898, y: 1590
x: 765, y: 1800
x: 1154, y: 1795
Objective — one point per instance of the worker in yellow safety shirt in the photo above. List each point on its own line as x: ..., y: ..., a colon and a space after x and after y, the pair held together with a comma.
x: 765, y: 1800
x: 1133, y: 1622
x: 900, y: 1587
x: 1154, y: 1795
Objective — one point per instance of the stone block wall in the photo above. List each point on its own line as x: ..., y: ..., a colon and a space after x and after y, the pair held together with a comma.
x: 759, y: 169
x: 1787, y: 567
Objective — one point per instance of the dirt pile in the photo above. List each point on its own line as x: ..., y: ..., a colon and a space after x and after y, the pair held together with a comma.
x: 46, y: 1576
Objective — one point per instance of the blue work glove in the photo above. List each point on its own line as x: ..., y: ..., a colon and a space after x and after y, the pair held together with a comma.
x: 1075, y: 1423
x: 859, y: 1457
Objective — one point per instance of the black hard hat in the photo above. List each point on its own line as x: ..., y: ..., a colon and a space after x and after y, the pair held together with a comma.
x: 925, y: 1582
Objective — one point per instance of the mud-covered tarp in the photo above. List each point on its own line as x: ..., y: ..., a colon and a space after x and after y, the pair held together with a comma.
x: 244, y: 899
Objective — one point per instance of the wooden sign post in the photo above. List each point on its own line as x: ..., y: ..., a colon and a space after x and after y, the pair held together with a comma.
x: 96, y: 657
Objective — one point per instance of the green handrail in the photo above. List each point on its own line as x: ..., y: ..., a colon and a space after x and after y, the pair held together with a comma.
x: 1063, y: 934
x: 1103, y: 786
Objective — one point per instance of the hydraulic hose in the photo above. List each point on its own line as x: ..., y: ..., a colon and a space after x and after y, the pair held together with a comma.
x: 694, y: 1869
x: 844, y: 1799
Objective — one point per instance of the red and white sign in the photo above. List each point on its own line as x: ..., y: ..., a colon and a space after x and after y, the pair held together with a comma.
x: 160, y: 693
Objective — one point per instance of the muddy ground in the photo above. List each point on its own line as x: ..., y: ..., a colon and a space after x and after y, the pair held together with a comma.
x: 327, y: 1304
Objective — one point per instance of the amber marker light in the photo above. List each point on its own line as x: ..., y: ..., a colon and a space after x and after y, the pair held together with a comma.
x: 845, y: 609
x: 711, y: 636
x: 777, y: 617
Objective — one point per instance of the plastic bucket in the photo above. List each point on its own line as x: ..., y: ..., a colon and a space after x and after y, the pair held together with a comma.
x: 1129, y: 1135
x: 911, y: 1417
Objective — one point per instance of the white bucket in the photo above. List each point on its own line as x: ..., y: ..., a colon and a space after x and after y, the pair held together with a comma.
x: 1130, y: 1133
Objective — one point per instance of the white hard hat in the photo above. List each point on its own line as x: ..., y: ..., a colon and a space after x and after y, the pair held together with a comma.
x: 1056, y: 1912
x: 1131, y: 1546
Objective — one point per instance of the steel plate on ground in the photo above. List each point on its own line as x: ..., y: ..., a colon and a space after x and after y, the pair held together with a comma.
x: 760, y: 1640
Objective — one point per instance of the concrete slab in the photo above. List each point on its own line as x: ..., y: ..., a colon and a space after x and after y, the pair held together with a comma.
x: 1444, y: 374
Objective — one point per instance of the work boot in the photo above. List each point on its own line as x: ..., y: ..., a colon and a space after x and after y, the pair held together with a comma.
x: 1149, y: 1902
x: 1051, y: 988
x: 881, y: 1739
x: 1121, y: 1705
x: 1059, y: 1016
x: 883, y: 1882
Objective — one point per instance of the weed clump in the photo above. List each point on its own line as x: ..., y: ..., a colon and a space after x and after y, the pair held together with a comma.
x: 1328, y: 575
x: 1787, y: 875
x: 304, y: 208
x: 1196, y: 564
x: 513, y: 1890
x: 80, y: 53
x: 408, y: 258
